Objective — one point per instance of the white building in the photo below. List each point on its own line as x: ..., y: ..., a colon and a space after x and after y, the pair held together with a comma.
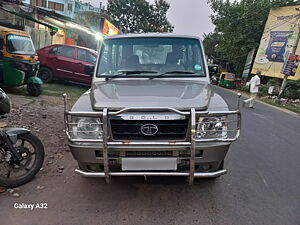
x: 64, y: 7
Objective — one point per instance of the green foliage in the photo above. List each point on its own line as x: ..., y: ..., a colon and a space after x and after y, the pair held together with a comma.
x: 136, y: 16
x: 211, y: 42
x: 274, y: 82
x: 263, y: 90
x: 243, y: 88
x: 240, y: 25
x: 292, y: 89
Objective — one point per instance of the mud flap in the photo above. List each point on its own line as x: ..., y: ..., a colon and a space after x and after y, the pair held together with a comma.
x: 13, y: 133
x: 35, y: 80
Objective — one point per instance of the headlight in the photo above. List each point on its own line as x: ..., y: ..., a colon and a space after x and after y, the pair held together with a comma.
x: 211, y: 127
x: 87, y: 128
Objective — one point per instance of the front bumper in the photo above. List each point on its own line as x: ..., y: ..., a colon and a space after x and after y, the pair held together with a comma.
x: 198, y: 152
x: 207, y: 160
x: 121, y: 174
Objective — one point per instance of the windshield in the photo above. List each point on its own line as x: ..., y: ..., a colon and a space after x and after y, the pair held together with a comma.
x: 18, y: 44
x: 145, y: 57
x: 229, y: 76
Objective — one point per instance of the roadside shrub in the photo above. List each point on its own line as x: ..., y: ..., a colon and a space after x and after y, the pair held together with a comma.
x: 263, y: 90
x: 274, y: 82
x: 238, y: 86
x: 243, y: 88
x: 292, y: 89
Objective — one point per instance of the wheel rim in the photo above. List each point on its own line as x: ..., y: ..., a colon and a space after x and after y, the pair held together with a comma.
x: 9, y: 170
x: 44, y: 75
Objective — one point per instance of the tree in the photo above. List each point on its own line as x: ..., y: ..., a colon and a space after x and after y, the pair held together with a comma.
x: 136, y: 16
x: 241, y: 24
x: 211, y: 42
x: 158, y: 20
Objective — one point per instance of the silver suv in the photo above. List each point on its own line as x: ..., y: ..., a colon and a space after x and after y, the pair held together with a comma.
x: 151, y: 112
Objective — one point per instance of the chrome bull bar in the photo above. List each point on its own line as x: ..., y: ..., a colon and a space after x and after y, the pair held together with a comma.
x: 106, y: 143
x: 121, y: 174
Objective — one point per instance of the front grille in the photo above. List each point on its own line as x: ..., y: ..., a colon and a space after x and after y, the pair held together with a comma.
x: 131, y: 129
x: 149, y: 154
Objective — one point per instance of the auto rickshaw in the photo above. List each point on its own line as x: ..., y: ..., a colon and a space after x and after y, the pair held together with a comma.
x: 227, y: 80
x: 18, y: 61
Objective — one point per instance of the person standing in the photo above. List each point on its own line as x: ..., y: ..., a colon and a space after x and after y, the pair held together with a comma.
x: 254, y: 84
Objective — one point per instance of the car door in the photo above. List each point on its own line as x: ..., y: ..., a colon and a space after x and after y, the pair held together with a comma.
x: 84, y: 58
x: 65, y: 62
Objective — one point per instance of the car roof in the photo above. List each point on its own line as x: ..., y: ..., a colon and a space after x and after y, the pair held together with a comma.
x: 7, y: 30
x: 57, y: 45
x: 154, y: 35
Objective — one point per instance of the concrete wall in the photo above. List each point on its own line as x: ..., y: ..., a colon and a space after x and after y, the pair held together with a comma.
x: 40, y: 38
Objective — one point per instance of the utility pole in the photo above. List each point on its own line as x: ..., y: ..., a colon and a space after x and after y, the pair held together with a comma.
x: 283, y: 85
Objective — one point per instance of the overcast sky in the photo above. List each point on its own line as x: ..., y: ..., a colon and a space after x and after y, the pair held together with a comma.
x: 188, y: 16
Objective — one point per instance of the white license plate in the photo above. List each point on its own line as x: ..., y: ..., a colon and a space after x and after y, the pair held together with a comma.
x: 148, y: 164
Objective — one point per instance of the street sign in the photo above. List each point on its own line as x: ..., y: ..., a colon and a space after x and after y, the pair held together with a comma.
x: 248, y: 63
x: 108, y: 28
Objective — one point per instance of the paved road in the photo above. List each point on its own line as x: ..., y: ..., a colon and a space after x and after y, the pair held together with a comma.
x: 262, y: 186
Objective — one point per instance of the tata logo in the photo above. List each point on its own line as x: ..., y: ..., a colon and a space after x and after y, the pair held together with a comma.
x: 149, y: 129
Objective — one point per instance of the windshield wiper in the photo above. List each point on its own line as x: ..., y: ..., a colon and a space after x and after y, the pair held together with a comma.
x: 128, y: 72
x: 172, y: 72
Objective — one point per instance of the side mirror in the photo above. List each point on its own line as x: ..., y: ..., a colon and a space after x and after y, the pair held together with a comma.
x: 89, y: 70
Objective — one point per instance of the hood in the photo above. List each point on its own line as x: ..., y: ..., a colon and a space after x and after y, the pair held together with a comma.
x: 119, y: 94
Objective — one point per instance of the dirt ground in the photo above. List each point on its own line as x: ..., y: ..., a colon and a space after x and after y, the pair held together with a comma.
x: 44, y: 117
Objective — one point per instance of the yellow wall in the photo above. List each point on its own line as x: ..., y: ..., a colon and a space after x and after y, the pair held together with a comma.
x: 283, y: 19
x: 59, y: 38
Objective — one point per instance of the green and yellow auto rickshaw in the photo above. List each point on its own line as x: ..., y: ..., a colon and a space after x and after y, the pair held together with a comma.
x: 227, y: 80
x: 18, y: 61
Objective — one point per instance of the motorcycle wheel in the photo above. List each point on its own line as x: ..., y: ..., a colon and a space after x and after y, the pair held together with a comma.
x: 34, y: 89
x: 32, y: 151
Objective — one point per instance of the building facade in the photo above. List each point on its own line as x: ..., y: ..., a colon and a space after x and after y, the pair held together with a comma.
x: 67, y: 8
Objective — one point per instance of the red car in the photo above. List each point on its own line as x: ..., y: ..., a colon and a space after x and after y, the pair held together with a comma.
x: 65, y: 62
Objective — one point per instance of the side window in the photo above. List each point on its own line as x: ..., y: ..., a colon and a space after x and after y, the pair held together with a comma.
x: 53, y: 51
x: 91, y: 58
x: 66, y: 51
x: 85, y: 56
x: 1, y: 42
x: 81, y: 55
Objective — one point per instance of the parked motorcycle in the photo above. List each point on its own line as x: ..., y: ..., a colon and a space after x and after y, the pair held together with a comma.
x: 21, y: 152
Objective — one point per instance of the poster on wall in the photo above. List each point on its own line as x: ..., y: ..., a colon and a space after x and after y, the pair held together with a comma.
x: 291, y: 65
x: 277, y: 45
x: 278, y: 41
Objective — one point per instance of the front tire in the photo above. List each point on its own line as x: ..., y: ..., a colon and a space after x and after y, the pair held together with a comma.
x: 45, y: 74
x: 8, y: 181
x: 34, y: 89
